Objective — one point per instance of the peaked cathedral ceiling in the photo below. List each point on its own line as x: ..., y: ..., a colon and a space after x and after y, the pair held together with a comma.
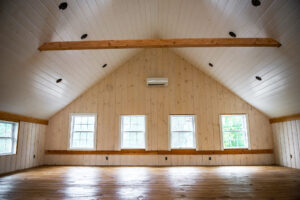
x: 28, y: 77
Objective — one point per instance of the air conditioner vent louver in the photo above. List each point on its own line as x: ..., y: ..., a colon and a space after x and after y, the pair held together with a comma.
x: 157, y: 81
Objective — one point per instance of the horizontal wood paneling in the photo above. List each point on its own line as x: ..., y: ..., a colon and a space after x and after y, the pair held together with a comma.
x: 16, y: 118
x: 287, y: 143
x: 189, y: 92
x: 160, y: 160
x: 171, y: 152
x: 30, y: 149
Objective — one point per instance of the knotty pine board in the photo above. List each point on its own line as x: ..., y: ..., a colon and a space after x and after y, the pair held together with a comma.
x: 190, y: 91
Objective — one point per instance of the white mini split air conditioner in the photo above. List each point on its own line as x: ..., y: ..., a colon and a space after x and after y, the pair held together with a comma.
x: 157, y: 81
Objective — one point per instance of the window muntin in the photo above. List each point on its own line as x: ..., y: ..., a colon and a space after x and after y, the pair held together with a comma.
x: 83, y: 128
x: 8, y: 137
x: 234, y: 131
x: 133, y: 134
x: 182, y: 128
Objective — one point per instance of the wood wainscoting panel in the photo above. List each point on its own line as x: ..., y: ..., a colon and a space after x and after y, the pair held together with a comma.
x: 30, y: 149
x: 287, y: 143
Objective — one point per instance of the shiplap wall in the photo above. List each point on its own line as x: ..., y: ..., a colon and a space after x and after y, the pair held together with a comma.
x: 124, y: 91
x: 30, y: 142
x: 287, y: 143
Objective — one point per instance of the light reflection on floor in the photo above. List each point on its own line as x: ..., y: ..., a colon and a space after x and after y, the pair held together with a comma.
x: 179, y: 176
x: 229, y: 182
x: 133, y: 182
x: 81, y: 181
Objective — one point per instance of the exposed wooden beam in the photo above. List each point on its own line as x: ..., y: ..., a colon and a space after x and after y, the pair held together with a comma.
x: 285, y: 118
x: 160, y: 43
x: 17, y: 118
x: 172, y: 152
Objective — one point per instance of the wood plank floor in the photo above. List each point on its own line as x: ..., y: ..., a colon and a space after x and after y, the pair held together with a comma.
x: 152, y: 183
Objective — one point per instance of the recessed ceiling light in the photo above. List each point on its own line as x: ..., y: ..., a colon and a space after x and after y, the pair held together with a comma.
x: 103, y: 66
x: 232, y: 34
x: 258, y: 78
x: 210, y: 64
x: 63, y: 6
x: 59, y: 80
x: 256, y: 3
x: 84, y: 36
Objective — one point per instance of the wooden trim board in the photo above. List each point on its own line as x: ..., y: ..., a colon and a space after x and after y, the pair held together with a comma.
x: 172, y: 152
x: 285, y: 118
x: 160, y: 43
x: 17, y: 118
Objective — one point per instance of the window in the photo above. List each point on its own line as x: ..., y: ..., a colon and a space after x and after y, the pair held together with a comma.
x: 8, y: 137
x: 182, y: 131
x: 133, y: 132
x: 82, y: 135
x: 234, y: 131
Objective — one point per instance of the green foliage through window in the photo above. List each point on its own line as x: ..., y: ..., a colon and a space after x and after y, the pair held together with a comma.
x: 234, y: 129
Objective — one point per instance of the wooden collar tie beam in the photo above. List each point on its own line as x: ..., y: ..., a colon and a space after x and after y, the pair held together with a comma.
x: 160, y: 43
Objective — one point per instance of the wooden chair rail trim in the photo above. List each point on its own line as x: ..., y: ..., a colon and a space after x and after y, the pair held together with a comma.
x: 17, y: 118
x: 161, y: 152
x: 285, y: 118
x: 160, y: 43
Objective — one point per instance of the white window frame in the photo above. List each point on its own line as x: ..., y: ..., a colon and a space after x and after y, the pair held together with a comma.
x: 14, y: 137
x: 121, y: 132
x: 247, y: 129
x: 194, y: 135
x: 71, y: 130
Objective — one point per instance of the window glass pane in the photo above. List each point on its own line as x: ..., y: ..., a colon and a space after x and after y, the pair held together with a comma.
x: 84, y: 120
x: 133, y: 123
x: 234, y: 130
x: 8, y: 137
x: 84, y: 127
x: 91, y: 120
x: 2, y: 130
x: 83, y: 132
x: 133, y: 131
x: 77, y: 119
x: 182, y: 123
x: 77, y: 127
x: 182, y: 131
x: 5, y: 145
x: 133, y: 140
x: 8, y: 130
x: 90, y: 127
x: 182, y: 140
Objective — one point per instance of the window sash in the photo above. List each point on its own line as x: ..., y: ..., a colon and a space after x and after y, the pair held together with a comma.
x: 243, y: 130
x: 79, y: 143
x: 13, y: 138
x: 124, y: 144
x: 133, y: 144
x: 192, y: 132
x: 181, y: 137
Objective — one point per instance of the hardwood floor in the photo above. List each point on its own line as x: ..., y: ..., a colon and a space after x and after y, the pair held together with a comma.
x: 263, y: 182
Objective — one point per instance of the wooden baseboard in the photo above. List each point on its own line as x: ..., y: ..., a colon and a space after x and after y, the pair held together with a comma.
x: 172, y: 152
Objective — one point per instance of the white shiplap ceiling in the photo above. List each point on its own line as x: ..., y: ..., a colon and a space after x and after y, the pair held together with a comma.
x: 27, y: 76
